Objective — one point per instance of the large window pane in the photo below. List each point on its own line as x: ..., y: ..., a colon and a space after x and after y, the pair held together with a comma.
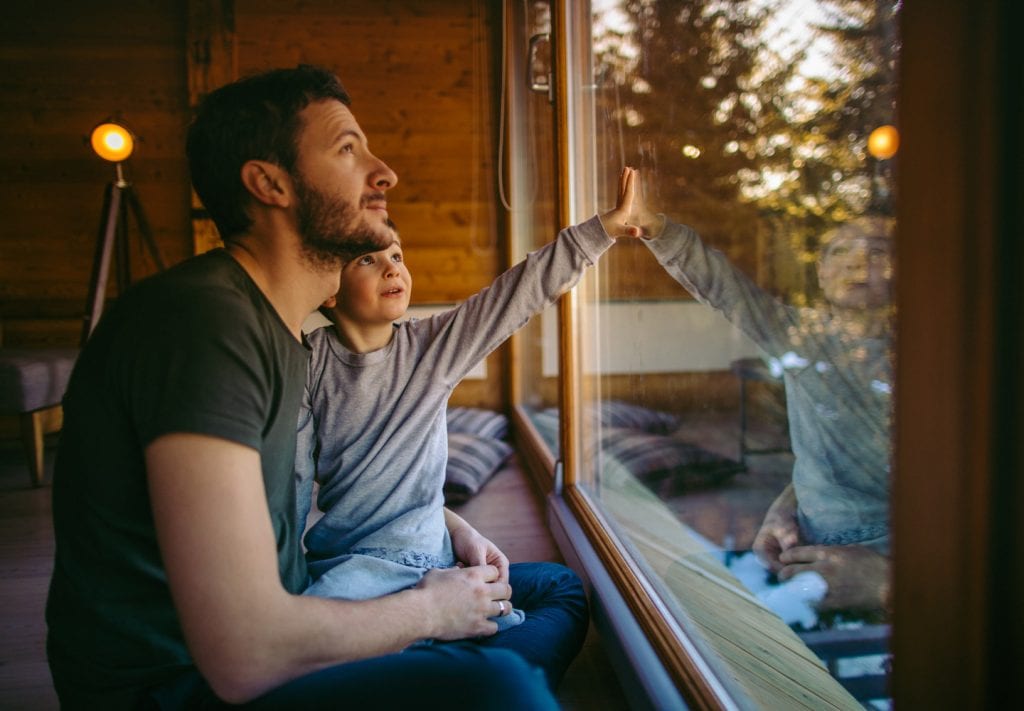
x: 737, y: 377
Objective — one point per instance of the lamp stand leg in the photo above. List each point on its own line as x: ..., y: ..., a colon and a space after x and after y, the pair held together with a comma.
x: 123, y: 258
x: 109, y: 229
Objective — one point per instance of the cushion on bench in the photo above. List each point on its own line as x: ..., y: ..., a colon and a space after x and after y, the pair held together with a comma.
x: 33, y: 378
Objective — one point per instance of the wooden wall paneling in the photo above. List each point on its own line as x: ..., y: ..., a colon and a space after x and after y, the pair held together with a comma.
x: 423, y: 85
x: 212, y: 62
x: 68, y: 66
x: 423, y: 90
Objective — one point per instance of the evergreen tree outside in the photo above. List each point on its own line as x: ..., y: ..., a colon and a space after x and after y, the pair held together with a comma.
x: 750, y: 118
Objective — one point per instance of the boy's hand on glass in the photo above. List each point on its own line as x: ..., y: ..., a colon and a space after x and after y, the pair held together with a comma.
x: 631, y: 217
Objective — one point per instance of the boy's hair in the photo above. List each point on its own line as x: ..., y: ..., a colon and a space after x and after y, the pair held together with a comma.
x: 864, y: 226
x: 256, y: 118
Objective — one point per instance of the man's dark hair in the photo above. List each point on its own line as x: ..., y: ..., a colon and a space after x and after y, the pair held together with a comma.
x: 256, y: 118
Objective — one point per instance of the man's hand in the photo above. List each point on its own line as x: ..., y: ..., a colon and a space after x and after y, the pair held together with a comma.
x: 779, y: 531
x: 462, y: 600
x: 857, y: 577
x: 630, y: 218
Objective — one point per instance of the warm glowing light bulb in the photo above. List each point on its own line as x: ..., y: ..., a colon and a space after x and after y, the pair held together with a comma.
x: 883, y: 142
x: 112, y: 142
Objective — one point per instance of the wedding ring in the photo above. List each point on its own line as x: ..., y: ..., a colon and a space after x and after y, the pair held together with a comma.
x: 501, y: 607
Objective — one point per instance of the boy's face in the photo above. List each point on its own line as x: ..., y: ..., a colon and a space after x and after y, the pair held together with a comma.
x: 375, y: 287
x: 340, y: 185
x: 856, y: 271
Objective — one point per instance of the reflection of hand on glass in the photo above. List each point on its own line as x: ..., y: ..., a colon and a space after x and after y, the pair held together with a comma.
x: 779, y: 531
x: 857, y: 576
x: 630, y: 218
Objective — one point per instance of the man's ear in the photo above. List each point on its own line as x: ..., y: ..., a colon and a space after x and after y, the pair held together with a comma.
x: 266, y: 182
x: 331, y: 302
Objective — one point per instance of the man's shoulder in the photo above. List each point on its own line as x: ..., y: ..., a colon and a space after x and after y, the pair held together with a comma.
x: 213, y: 275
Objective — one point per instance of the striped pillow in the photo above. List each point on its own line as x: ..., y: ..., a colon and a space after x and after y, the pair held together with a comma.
x: 472, y: 460
x: 473, y: 420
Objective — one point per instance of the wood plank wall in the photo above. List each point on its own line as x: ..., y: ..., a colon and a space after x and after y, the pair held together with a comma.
x: 423, y: 81
x: 67, y: 66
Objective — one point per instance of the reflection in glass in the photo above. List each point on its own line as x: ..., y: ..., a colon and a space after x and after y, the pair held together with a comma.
x: 761, y: 519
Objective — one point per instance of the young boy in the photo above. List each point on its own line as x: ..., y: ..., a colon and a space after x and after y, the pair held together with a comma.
x: 373, y: 432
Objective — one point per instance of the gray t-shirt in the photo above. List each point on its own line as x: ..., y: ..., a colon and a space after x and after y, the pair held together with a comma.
x: 373, y: 430
x: 838, y: 393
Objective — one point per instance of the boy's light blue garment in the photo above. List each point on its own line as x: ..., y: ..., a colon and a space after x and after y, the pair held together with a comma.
x: 838, y: 393
x: 373, y: 431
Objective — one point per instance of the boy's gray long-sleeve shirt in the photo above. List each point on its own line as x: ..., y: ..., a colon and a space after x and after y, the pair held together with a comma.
x: 373, y: 429
x: 838, y: 393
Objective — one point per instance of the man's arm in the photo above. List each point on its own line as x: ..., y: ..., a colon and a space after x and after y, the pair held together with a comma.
x: 247, y: 634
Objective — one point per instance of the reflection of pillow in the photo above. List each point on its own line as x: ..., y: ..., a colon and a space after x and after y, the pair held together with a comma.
x: 546, y: 422
x: 472, y: 420
x: 616, y: 413
x: 472, y: 460
x: 667, y: 465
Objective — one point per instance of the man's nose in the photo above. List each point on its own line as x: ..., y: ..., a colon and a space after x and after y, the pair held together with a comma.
x: 382, y: 177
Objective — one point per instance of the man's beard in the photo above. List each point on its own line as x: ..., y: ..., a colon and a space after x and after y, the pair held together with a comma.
x: 331, y: 229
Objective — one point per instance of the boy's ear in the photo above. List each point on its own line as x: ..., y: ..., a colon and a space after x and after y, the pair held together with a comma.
x: 266, y: 182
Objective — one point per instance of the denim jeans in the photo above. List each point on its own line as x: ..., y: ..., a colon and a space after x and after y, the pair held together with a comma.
x: 555, y: 604
x: 514, y: 669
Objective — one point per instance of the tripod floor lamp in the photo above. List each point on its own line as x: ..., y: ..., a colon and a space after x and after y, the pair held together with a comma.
x: 115, y: 143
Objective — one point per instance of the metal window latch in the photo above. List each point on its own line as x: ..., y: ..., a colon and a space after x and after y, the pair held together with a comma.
x: 538, y: 65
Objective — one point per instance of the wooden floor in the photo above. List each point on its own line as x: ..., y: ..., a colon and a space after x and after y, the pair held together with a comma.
x: 506, y: 511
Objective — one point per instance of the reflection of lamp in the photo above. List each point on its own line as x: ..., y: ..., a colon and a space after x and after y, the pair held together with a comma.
x: 883, y: 142
x: 113, y: 142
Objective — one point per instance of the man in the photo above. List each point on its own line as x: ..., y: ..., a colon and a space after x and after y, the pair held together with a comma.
x: 834, y: 516
x: 178, y: 562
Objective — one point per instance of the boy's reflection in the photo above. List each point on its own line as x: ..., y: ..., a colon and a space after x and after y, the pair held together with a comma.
x: 835, y: 360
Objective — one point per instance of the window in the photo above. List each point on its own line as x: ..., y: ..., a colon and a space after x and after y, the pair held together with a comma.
x: 716, y: 381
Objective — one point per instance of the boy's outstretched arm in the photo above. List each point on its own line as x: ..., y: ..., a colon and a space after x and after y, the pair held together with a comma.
x: 631, y: 216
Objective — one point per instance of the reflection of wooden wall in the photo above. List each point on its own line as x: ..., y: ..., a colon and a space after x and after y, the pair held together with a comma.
x: 680, y: 393
x: 423, y: 83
